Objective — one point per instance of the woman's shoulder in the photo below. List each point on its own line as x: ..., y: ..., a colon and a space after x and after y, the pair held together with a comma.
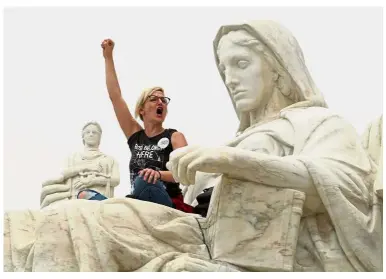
x: 134, y: 137
x: 171, y: 131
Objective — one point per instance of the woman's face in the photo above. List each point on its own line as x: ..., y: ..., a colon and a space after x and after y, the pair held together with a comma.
x: 247, y: 75
x: 91, y: 136
x: 155, y: 108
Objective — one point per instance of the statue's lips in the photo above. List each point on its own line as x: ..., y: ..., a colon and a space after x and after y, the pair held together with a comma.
x: 238, y: 94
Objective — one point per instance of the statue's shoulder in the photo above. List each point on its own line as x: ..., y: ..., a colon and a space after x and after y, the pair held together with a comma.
x: 74, y: 156
x: 308, y: 120
x: 314, y: 112
x: 308, y: 115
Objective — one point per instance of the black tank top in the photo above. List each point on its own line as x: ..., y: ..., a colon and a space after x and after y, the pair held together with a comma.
x: 152, y: 153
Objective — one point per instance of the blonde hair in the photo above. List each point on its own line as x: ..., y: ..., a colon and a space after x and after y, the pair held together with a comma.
x: 142, y: 99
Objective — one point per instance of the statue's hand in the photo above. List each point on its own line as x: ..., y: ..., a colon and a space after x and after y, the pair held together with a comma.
x: 186, y: 161
x: 175, y: 157
x: 90, y: 181
x: 81, y: 184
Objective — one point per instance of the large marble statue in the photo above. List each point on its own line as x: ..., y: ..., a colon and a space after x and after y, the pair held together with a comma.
x: 293, y: 191
x: 90, y: 169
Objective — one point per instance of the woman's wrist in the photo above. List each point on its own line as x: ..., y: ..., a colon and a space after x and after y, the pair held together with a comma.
x: 160, y: 176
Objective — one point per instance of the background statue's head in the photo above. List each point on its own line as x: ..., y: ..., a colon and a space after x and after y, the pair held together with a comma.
x: 91, y: 134
x: 263, y: 68
x: 251, y: 72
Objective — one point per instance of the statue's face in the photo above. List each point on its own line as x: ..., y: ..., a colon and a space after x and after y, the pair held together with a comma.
x: 91, y: 136
x: 248, y: 76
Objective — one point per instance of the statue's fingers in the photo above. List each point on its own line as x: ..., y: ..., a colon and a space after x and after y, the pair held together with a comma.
x: 177, y: 154
x: 182, y: 167
x: 191, y: 171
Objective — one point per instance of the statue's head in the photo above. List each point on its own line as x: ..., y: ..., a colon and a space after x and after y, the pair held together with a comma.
x: 259, y: 59
x: 91, y: 134
x: 251, y: 72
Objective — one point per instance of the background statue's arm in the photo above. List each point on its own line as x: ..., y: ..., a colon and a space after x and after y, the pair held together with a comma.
x: 66, y: 173
x: 115, y: 177
x: 73, y: 171
x: 69, y: 172
x: 100, y: 179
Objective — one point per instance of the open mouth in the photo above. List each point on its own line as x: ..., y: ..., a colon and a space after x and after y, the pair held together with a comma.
x: 159, y: 111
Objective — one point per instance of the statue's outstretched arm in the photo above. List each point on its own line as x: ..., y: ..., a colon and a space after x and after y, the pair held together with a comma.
x: 333, y: 145
x: 242, y: 164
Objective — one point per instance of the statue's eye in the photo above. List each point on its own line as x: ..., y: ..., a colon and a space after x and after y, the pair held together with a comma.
x: 242, y: 64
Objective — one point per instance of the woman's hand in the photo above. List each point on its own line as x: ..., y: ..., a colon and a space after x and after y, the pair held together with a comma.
x: 108, y: 46
x: 150, y: 175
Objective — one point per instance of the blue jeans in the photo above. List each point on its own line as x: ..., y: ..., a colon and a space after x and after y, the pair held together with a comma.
x: 143, y: 190
x: 151, y: 192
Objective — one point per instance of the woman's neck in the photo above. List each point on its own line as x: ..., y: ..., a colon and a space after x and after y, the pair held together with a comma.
x: 152, y: 130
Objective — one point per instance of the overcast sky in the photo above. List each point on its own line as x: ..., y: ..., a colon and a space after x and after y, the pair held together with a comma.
x: 54, y: 77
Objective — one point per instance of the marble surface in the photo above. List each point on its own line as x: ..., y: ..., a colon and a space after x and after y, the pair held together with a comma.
x: 293, y: 191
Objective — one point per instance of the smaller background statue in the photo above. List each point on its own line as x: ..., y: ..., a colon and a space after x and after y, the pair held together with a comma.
x: 90, y: 169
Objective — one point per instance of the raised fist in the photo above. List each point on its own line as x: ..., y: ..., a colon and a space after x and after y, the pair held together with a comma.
x: 108, y: 46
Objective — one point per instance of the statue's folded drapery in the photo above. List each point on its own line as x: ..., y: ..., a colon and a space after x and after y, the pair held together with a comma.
x: 112, y: 235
